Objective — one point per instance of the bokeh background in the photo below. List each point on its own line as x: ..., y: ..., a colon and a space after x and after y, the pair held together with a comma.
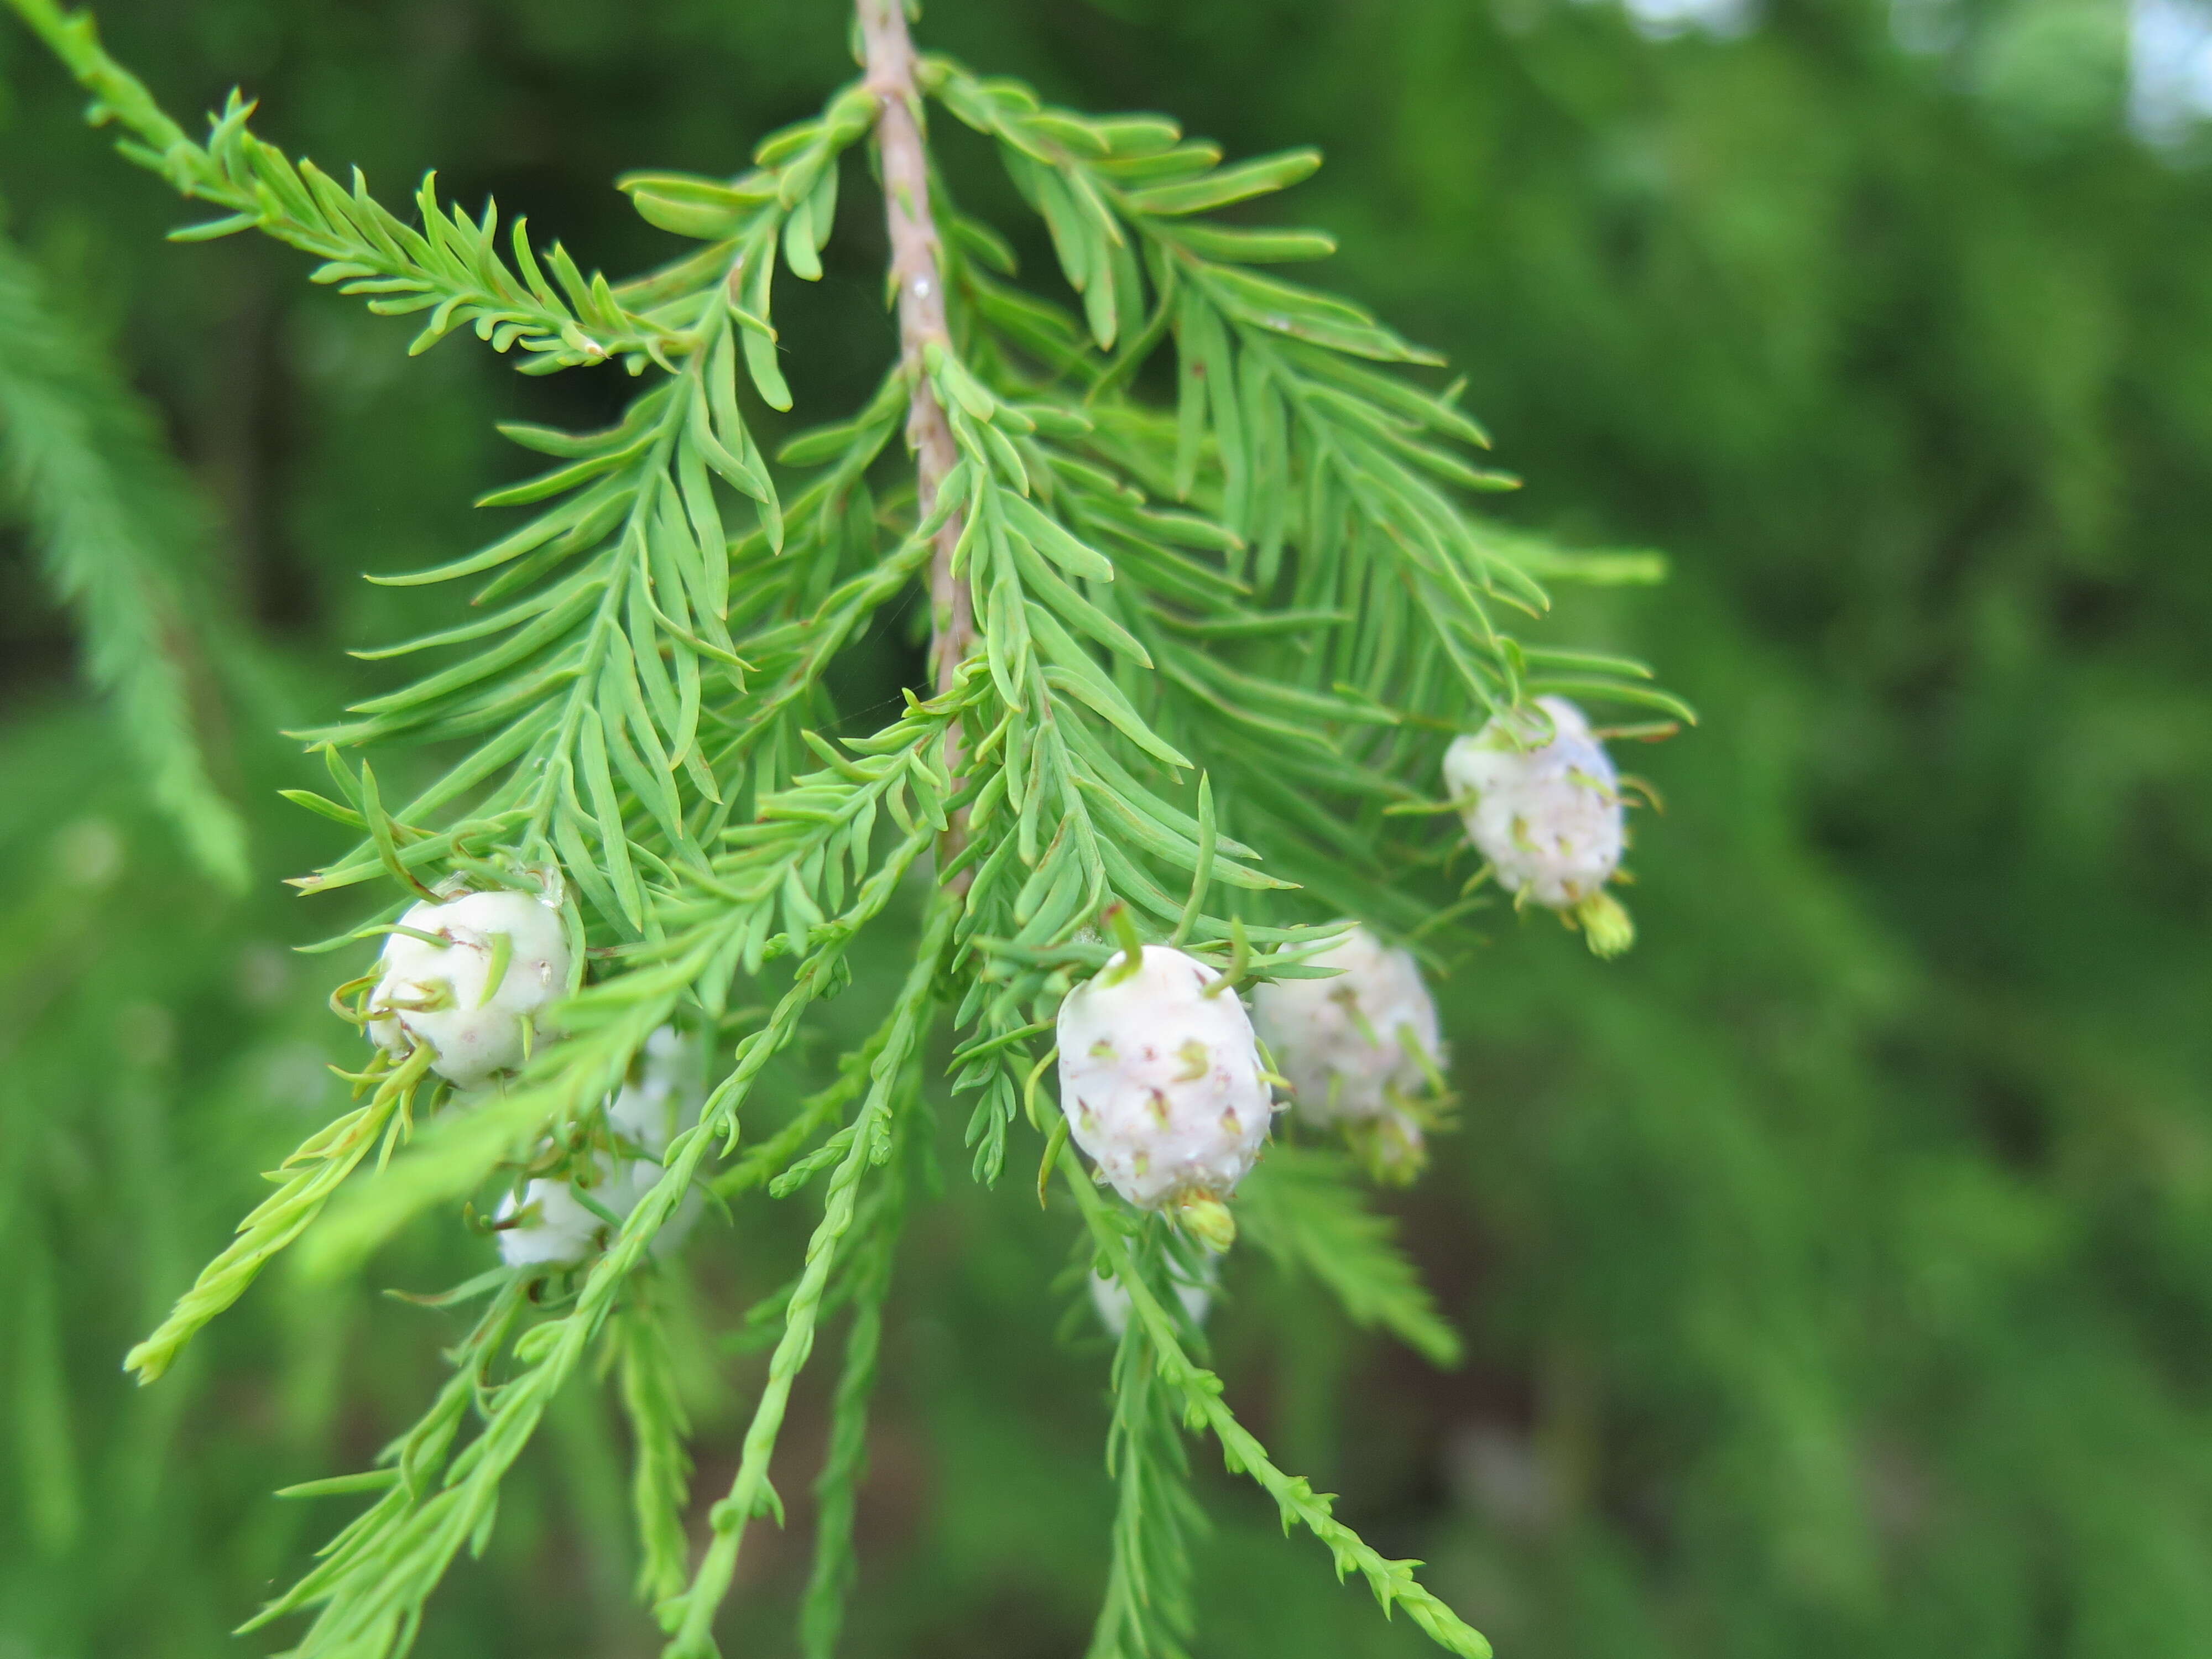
x: 1835, y: 1270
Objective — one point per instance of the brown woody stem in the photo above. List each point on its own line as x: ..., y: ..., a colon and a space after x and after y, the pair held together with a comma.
x: 917, y: 269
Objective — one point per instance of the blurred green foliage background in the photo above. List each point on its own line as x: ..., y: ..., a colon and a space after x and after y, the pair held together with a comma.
x: 1835, y: 1270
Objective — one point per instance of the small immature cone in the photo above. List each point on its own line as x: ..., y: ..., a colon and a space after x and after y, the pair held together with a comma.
x: 1343, y: 1042
x: 1547, y: 814
x: 555, y: 1227
x: 556, y: 1230
x: 1161, y: 1085
x: 662, y: 1096
x: 476, y: 995
x: 1111, y: 1298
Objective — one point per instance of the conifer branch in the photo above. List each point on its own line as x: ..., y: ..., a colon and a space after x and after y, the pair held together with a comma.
x: 1392, y: 1582
x: 450, y: 267
x: 1302, y: 1208
x: 114, y: 513
x: 917, y: 277
x: 372, y: 1588
x: 691, y: 1616
x: 660, y: 1478
x: 1272, y: 591
x: 1146, y: 1612
x: 309, y: 1177
x: 844, y: 1464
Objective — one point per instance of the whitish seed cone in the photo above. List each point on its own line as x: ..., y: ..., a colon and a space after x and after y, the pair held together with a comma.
x: 1353, y: 1045
x: 470, y: 978
x: 548, y: 1225
x: 661, y: 1095
x: 1111, y: 1299
x: 1161, y: 1085
x: 1546, y: 811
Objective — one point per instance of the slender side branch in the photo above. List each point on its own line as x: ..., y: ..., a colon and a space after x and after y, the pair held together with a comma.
x: 310, y: 1176
x: 74, y: 38
x: 1392, y: 1582
x: 917, y: 272
x: 691, y: 1616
